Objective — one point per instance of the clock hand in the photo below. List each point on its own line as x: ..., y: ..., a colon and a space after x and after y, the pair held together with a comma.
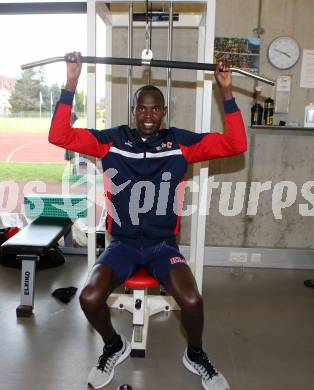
x: 282, y: 52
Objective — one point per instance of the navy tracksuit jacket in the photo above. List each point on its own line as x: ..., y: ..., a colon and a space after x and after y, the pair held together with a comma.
x: 144, y: 180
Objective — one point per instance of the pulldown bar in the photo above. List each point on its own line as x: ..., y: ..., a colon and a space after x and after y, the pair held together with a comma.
x: 149, y: 62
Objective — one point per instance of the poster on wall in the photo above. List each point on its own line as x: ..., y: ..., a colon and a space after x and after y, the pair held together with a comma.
x: 239, y: 52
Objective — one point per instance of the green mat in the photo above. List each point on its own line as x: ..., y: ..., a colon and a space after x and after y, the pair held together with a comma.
x: 54, y: 205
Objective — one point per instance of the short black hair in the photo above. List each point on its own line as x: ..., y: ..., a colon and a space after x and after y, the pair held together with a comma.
x: 148, y: 88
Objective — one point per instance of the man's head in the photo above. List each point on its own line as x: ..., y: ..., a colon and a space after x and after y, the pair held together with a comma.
x: 148, y: 110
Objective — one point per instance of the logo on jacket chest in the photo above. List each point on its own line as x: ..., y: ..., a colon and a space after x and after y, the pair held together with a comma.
x: 129, y: 143
x: 164, y: 145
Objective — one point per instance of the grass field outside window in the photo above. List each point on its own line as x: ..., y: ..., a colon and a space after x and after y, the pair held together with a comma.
x: 24, y: 172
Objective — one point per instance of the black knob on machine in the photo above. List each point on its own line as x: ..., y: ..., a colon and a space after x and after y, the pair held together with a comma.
x: 138, y: 304
x: 125, y: 387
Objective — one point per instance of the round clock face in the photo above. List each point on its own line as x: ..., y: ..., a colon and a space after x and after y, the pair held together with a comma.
x: 283, y: 52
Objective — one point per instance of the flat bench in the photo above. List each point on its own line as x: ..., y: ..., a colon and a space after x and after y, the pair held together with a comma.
x: 29, y: 244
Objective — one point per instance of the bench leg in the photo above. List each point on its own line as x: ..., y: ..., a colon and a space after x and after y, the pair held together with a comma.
x: 25, y: 309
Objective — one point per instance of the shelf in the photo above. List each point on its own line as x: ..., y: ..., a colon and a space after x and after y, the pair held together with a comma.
x: 281, y: 130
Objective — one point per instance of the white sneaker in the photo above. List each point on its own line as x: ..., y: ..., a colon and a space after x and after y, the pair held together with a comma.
x: 211, y: 378
x: 103, y: 373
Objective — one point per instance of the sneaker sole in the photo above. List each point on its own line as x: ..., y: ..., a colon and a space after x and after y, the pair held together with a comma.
x: 124, y: 356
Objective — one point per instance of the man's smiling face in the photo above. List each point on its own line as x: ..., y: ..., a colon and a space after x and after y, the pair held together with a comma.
x: 149, y: 112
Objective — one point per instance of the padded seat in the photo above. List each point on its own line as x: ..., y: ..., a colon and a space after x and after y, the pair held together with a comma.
x: 38, y: 237
x: 141, y: 279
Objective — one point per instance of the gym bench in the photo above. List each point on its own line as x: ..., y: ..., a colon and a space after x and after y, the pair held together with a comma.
x: 29, y: 244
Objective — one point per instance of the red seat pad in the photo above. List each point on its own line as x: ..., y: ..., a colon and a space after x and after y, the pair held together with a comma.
x: 141, y: 279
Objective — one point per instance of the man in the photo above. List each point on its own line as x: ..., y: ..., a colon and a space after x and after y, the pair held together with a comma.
x: 144, y: 169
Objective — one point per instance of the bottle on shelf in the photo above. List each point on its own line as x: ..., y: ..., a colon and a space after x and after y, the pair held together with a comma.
x: 257, y: 108
x: 269, y: 112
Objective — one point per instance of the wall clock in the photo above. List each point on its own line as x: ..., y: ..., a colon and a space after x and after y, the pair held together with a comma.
x: 283, y: 52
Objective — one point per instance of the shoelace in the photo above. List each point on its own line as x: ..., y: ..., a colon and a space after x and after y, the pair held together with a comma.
x: 106, y: 360
x: 207, y: 369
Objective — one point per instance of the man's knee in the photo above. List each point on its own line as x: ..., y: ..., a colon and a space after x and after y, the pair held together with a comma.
x: 91, y: 299
x: 191, y: 302
x: 101, y: 283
